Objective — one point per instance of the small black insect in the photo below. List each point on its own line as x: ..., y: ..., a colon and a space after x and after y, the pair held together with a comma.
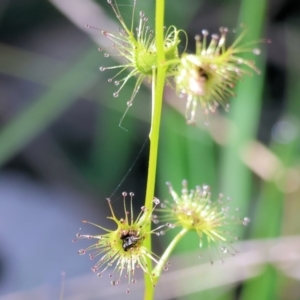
x: 202, y: 74
x: 129, y: 240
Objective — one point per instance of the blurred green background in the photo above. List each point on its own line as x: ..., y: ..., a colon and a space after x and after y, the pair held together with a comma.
x: 62, y: 151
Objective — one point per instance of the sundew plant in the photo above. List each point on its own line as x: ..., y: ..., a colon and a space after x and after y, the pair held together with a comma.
x: 205, y: 80
x: 162, y: 137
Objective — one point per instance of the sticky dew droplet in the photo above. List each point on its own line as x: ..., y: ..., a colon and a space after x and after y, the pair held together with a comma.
x: 205, y: 32
x: 256, y: 51
x: 224, y: 249
x: 94, y: 269
x: 246, y: 221
x: 156, y: 201
x: 170, y: 225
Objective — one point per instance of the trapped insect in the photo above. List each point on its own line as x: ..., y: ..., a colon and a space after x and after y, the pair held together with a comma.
x: 130, y: 239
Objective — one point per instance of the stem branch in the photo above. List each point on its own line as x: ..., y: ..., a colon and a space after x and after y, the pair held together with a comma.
x: 158, y: 268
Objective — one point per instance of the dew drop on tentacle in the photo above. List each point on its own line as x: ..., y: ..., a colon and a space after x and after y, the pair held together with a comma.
x: 94, y: 269
x: 205, y: 190
x: 256, y: 51
x: 170, y: 225
x: 224, y: 249
x: 163, y: 205
x: 81, y: 252
x: 246, y: 221
x: 225, y: 209
x: 205, y: 32
x: 214, y: 36
x: 116, y: 94
x: 156, y: 201
x: 223, y: 30
x: 102, y: 69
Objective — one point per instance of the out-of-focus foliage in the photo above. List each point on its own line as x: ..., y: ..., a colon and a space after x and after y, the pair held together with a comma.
x: 62, y: 151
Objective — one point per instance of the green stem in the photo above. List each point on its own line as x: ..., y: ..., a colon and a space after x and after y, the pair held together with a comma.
x: 157, y: 98
x: 158, y: 268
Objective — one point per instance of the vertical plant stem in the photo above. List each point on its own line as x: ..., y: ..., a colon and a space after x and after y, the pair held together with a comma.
x: 168, y: 251
x: 157, y: 97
